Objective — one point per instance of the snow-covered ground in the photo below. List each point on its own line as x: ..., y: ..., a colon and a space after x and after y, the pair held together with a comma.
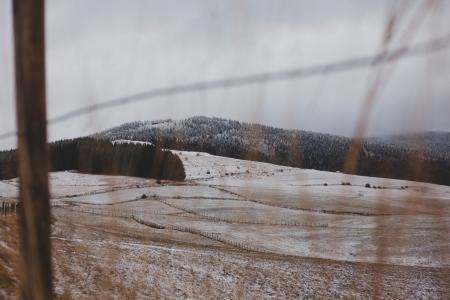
x: 230, y: 206
x: 70, y: 184
x: 280, y: 210
x: 8, y: 190
x: 130, y: 142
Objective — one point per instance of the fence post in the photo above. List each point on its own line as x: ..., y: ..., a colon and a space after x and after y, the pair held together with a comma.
x: 29, y: 42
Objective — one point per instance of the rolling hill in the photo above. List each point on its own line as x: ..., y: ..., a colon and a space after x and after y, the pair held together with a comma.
x: 421, y: 157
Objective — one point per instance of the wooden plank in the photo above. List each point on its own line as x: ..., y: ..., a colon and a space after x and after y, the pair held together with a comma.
x: 29, y: 39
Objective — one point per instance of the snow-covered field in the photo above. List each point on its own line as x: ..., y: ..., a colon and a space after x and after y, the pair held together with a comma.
x: 255, y: 229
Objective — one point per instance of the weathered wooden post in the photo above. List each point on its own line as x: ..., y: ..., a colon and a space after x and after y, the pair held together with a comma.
x: 29, y: 40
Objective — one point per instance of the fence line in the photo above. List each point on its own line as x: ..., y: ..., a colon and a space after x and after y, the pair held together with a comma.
x: 9, y: 208
x: 134, y: 215
x: 209, y: 235
x: 285, y: 222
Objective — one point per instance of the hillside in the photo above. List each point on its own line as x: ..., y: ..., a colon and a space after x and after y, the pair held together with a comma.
x: 423, y: 157
x: 237, y: 229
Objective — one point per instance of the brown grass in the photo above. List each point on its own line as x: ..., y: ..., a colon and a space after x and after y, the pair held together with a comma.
x: 9, y: 257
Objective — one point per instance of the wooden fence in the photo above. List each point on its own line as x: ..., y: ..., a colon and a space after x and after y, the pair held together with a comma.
x: 9, y: 208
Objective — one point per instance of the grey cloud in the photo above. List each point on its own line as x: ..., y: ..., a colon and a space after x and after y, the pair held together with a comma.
x: 99, y: 50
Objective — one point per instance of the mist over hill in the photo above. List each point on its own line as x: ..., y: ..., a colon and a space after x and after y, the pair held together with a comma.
x: 421, y: 157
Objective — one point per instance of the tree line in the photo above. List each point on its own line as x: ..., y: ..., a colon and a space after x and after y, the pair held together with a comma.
x: 97, y: 156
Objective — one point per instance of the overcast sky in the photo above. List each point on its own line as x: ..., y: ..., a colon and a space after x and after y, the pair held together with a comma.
x: 103, y: 49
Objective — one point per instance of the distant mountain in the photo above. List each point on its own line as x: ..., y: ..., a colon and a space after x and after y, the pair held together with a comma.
x: 421, y: 157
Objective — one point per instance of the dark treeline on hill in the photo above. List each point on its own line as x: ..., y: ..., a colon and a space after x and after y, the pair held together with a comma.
x: 424, y: 157
x: 95, y: 156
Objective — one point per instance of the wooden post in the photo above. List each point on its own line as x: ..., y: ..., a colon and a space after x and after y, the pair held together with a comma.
x: 29, y: 39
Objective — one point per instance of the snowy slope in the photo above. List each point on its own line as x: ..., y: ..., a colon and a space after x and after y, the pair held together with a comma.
x: 272, y: 209
x: 382, y: 157
x: 8, y: 189
x: 261, y: 207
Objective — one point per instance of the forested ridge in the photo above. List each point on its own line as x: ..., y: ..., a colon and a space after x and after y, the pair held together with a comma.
x: 422, y: 157
x: 97, y: 156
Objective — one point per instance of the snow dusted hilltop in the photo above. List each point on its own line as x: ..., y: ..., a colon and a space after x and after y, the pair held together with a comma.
x: 422, y: 157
